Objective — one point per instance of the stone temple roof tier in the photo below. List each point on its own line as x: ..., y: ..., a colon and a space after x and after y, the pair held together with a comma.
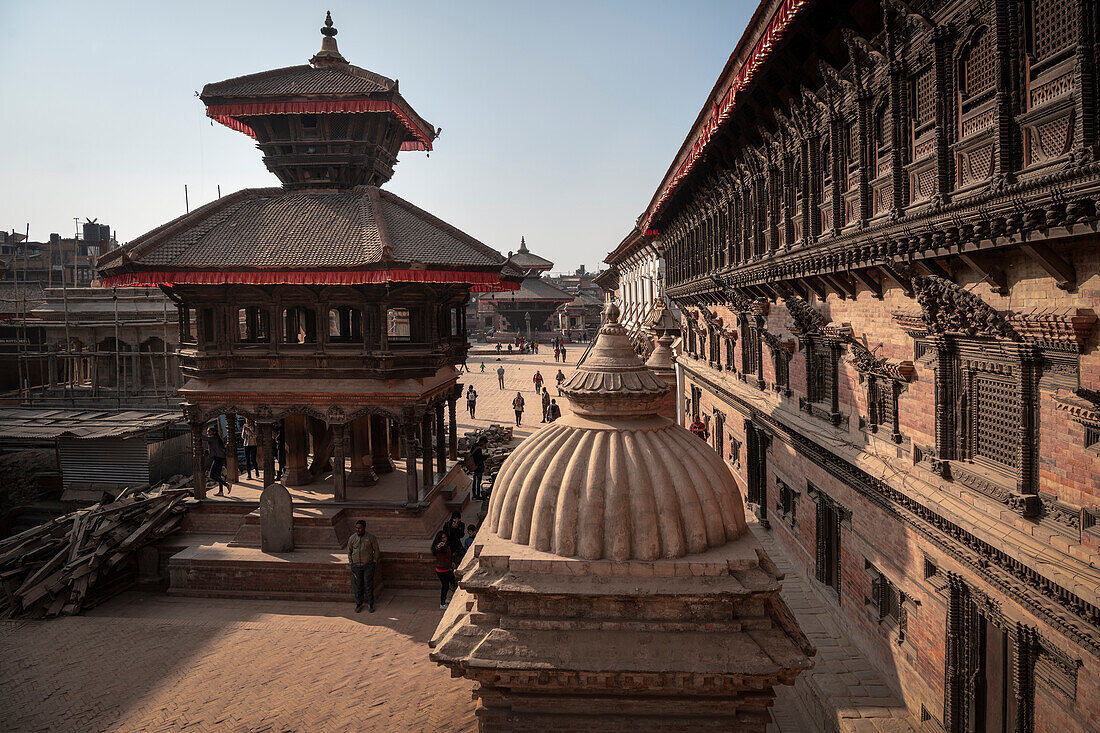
x: 615, y: 480
x: 331, y: 236
x: 325, y: 123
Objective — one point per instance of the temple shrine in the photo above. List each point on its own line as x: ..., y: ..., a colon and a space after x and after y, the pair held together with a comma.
x: 327, y: 309
x: 526, y: 310
x: 614, y: 585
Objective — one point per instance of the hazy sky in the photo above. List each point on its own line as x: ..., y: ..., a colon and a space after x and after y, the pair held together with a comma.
x: 559, y: 118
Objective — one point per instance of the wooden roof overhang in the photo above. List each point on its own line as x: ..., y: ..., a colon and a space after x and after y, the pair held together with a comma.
x: 763, y: 33
x: 235, y: 114
x: 478, y: 282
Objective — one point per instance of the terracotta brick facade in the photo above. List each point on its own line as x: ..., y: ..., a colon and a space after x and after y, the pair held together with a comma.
x: 880, y: 535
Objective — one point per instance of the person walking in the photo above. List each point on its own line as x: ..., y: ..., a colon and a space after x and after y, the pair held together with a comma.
x: 482, y: 367
x: 498, y: 347
x: 444, y: 565
x: 517, y: 405
x: 554, y: 411
x: 545, y: 405
x: 477, y: 455
x: 537, y: 379
x: 215, y: 449
x: 560, y: 379
x: 563, y: 354
x: 557, y: 353
x: 471, y: 401
x: 362, y: 555
x: 248, y: 438
x: 500, y: 375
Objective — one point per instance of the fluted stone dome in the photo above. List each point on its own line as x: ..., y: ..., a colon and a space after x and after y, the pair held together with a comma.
x: 615, y: 480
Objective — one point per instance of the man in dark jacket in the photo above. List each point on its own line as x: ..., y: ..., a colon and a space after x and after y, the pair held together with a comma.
x: 456, y: 530
x: 477, y: 455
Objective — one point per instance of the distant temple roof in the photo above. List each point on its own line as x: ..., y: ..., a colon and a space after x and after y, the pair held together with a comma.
x: 533, y: 288
x: 525, y: 260
x: 273, y: 235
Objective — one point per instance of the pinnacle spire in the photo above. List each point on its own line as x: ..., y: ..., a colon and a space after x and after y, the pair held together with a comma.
x: 329, y: 54
x: 522, y: 244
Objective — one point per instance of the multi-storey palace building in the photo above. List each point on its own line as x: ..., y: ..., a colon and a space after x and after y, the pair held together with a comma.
x: 882, y: 232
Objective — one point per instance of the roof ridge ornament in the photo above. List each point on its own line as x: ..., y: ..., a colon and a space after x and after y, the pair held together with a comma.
x: 329, y: 55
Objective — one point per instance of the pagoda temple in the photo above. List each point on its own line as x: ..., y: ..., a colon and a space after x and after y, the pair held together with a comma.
x: 528, y: 309
x: 327, y: 304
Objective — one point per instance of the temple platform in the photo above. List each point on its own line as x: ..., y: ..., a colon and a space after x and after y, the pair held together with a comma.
x: 218, y: 554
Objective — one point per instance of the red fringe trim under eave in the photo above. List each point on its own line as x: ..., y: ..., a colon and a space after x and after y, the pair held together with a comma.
x: 722, y: 109
x: 479, y: 282
x: 226, y: 114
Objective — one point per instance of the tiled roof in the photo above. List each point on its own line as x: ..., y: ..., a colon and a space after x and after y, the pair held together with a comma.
x: 278, y: 229
x: 292, y: 81
x: 534, y: 288
x: 528, y: 261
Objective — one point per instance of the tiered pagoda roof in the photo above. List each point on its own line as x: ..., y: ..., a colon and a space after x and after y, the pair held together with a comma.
x: 526, y: 260
x: 331, y: 132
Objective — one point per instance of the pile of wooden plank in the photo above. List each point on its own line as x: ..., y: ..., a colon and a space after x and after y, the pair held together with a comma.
x: 81, y: 559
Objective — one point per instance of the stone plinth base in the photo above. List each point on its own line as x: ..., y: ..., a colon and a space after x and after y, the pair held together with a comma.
x: 694, y: 643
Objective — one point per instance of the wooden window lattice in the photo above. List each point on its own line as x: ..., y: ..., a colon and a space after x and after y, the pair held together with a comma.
x: 924, y: 99
x: 978, y: 67
x: 996, y: 416
x: 1055, y: 27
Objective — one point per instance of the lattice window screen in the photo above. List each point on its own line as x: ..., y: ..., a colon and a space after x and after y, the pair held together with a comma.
x: 924, y: 100
x: 1055, y: 24
x: 996, y: 415
x: 978, y: 71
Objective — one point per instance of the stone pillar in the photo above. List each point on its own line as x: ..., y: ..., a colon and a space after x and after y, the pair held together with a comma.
x: 426, y: 450
x: 452, y: 436
x: 294, y: 434
x: 440, y: 442
x: 53, y: 371
x: 266, y: 451
x: 199, y: 475
x: 412, y: 491
x: 231, y: 466
x: 362, y: 472
x: 380, y: 444
x: 339, y: 483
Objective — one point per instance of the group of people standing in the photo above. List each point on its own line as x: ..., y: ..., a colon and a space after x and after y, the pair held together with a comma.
x: 215, y: 455
x: 448, y: 547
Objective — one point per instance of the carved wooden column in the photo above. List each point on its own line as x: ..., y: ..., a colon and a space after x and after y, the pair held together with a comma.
x: 266, y: 451
x: 426, y: 450
x: 362, y: 470
x: 945, y: 401
x: 295, y: 473
x: 381, y: 459
x: 408, y: 430
x: 954, y: 649
x: 452, y: 426
x: 232, y: 468
x: 339, y: 480
x: 945, y: 123
x: 197, y: 469
x: 868, y: 154
x: 440, y: 441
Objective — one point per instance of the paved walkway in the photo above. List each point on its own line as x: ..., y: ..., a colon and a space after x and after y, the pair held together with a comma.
x: 494, y: 405
x: 157, y: 663
x: 849, y: 694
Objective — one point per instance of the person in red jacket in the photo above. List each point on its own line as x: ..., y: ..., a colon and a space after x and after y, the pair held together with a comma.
x: 700, y: 429
x: 444, y: 565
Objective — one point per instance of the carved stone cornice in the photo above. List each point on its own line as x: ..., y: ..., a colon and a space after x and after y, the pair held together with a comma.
x: 947, y: 308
